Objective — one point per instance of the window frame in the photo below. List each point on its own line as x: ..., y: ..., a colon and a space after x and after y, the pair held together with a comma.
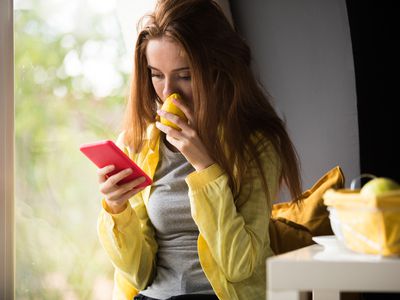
x: 7, y: 247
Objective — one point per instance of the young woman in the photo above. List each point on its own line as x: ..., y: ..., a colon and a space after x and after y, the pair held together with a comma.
x: 201, y: 230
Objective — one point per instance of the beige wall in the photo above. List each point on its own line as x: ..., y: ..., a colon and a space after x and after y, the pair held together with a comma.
x: 303, y: 56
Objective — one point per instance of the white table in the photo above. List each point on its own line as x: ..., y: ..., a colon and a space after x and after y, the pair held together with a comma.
x: 326, y: 271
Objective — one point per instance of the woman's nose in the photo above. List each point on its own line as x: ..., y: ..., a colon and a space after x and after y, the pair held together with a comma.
x: 169, y: 88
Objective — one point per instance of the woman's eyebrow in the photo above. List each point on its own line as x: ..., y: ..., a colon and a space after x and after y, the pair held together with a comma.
x: 174, y: 70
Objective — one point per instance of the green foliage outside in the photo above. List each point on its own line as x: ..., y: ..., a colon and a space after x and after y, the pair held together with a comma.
x: 58, y: 255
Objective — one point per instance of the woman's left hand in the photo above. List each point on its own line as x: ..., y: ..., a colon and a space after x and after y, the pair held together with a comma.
x: 187, y: 140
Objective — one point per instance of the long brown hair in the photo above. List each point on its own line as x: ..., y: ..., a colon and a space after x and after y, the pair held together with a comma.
x: 226, y: 94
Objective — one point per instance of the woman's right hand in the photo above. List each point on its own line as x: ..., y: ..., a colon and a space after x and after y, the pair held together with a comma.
x: 115, y: 195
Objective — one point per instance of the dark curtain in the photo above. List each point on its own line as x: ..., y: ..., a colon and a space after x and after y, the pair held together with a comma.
x: 375, y: 35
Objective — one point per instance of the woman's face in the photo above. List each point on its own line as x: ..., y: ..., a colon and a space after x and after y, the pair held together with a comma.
x: 169, y: 69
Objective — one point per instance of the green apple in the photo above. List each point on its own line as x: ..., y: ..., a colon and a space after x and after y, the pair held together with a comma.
x: 379, y: 186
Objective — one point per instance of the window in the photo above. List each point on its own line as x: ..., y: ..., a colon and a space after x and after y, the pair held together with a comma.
x: 71, y: 81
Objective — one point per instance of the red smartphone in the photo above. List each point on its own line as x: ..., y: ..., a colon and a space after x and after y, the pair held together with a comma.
x: 104, y: 153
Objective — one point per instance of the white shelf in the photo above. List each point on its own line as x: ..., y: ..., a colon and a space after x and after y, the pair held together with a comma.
x: 329, y: 270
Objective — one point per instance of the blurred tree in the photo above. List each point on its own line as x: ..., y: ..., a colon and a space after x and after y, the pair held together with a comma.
x: 71, y: 86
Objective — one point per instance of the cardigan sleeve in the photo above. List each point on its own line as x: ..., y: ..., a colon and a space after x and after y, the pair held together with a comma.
x: 128, y: 239
x: 235, y: 230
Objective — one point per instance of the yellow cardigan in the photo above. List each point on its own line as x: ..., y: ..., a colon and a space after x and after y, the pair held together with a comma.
x: 233, y: 243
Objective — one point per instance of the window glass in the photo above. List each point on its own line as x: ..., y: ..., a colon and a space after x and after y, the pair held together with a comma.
x: 71, y: 82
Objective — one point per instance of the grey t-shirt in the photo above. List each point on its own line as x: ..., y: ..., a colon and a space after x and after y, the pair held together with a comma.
x: 178, y: 269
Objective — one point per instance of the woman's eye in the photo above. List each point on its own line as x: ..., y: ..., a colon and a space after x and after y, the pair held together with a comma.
x: 185, y: 77
x: 158, y: 76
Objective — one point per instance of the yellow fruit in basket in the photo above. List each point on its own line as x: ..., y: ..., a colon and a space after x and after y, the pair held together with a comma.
x: 170, y: 107
x: 379, y: 186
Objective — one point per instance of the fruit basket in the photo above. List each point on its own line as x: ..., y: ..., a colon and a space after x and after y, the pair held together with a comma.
x: 366, y: 223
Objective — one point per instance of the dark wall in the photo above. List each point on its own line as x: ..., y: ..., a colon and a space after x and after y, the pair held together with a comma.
x: 374, y: 33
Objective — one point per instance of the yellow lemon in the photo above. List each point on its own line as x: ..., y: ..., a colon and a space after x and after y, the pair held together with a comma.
x: 170, y: 107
